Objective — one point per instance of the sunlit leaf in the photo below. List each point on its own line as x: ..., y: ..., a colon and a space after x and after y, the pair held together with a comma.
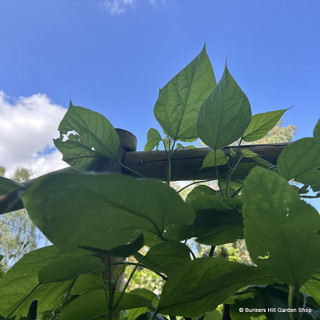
x: 87, y: 139
x: 19, y: 283
x: 261, y: 124
x: 212, y: 160
x: 153, y: 139
x: 225, y: 115
x: 280, y: 228
x: 8, y: 185
x: 179, y: 101
x: 300, y: 161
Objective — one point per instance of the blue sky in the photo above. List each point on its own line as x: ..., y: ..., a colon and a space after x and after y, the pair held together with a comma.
x: 113, y: 56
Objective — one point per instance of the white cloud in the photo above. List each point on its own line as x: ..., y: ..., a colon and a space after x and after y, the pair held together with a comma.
x: 27, y: 127
x: 115, y: 7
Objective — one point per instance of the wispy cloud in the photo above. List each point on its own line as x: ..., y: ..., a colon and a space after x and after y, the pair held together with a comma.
x: 27, y: 126
x: 116, y: 7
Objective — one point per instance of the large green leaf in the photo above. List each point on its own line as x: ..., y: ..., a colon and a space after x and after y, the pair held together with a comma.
x: 95, y: 304
x: 102, y: 210
x: 200, y: 285
x: 8, y: 185
x: 166, y: 257
x: 20, y: 285
x: 69, y: 268
x: 179, y: 101
x: 261, y: 124
x: 312, y: 286
x: 218, y: 220
x: 86, y: 139
x: 301, y: 161
x: 225, y: 115
x: 282, y: 232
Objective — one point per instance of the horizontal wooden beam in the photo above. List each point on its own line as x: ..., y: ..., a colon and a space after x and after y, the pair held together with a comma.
x: 186, y: 163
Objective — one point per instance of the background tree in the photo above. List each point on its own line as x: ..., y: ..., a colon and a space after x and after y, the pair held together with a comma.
x: 18, y: 235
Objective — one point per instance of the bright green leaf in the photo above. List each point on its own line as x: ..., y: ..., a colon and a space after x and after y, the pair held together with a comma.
x: 261, y: 124
x: 212, y: 160
x: 18, y: 283
x: 300, y: 161
x: 102, y: 210
x: 69, y: 268
x: 248, y: 153
x: 179, y: 101
x: 316, y: 130
x: 225, y: 115
x: 87, y: 139
x: 153, y: 139
x: 312, y: 286
x: 282, y: 232
x: 200, y: 285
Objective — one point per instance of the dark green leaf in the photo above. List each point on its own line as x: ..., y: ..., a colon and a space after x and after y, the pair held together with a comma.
x: 87, y: 139
x: 180, y: 99
x: 95, y: 304
x: 149, y: 316
x: 261, y: 124
x: 218, y: 220
x: 211, y: 160
x: 123, y: 251
x: 280, y: 228
x: 316, y: 130
x: 200, y: 285
x: 69, y: 268
x: 153, y: 139
x: 225, y: 115
x: 8, y: 185
x: 166, y: 257
x: 87, y: 282
x: 300, y: 161
x: 102, y: 210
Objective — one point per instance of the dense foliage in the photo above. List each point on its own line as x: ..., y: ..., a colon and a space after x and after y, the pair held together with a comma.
x: 93, y: 217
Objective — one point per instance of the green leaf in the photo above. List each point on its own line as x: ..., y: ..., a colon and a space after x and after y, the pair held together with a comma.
x: 312, y: 287
x: 8, y: 185
x: 123, y: 251
x: 280, y: 228
x: 209, y: 160
x: 218, y: 220
x: 300, y: 161
x: 69, y: 268
x: 19, y: 283
x: 316, y: 130
x: 261, y: 124
x: 102, y: 210
x: 200, y: 285
x: 95, y: 304
x: 153, y: 139
x: 225, y: 115
x: 149, y: 316
x: 166, y: 257
x: 248, y: 153
x: 87, y: 139
x: 87, y: 282
x: 179, y: 101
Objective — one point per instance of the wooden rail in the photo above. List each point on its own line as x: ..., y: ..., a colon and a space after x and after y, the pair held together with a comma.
x: 186, y: 164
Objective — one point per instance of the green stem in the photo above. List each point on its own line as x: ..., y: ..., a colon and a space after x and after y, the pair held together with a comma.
x: 211, y: 251
x: 217, y: 172
x: 234, y: 165
x: 290, y: 301
x: 170, y: 154
x: 195, y: 182
x: 131, y: 170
